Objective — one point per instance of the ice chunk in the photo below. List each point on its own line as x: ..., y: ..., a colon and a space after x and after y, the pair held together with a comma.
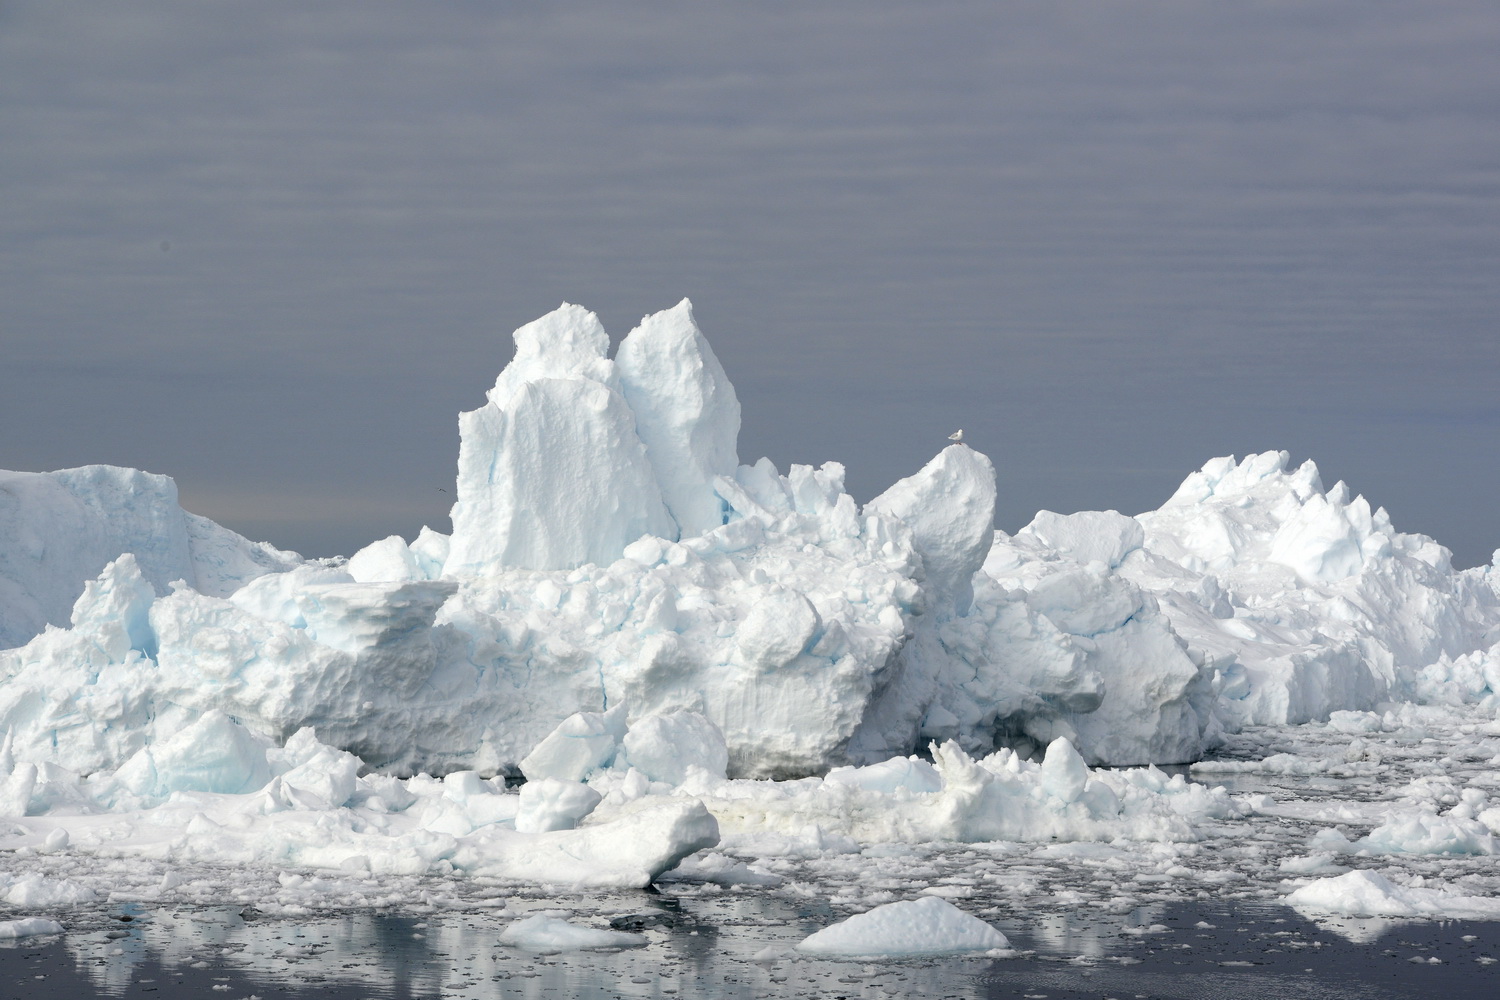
x: 1369, y: 893
x: 906, y: 929
x: 214, y: 754
x: 388, y: 559
x: 1064, y: 774
x: 1420, y: 831
x: 780, y: 625
x: 567, y: 343
x: 1467, y: 679
x: 115, y: 609
x: 627, y: 850
x: 686, y: 413
x: 17, y: 782
x: 664, y: 747
x: 313, y: 775
x: 1078, y: 651
x: 583, y: 742
x: 909, y: 774
x: 28, y: 927
x: 549, y: 935
x: 42, y: 893
x: 950, y: 508
x: 1001, y: 797
x: 551, y: 804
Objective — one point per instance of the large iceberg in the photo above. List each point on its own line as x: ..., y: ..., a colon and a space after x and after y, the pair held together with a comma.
x: 611, y: 556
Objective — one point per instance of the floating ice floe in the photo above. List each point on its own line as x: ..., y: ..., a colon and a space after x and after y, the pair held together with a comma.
x: 28, y: 927
x: 1370, y: 894
x: 546, y: 935
x: 907, y: 929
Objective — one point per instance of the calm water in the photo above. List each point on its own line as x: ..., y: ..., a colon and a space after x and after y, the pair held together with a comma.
x: 734, y: 947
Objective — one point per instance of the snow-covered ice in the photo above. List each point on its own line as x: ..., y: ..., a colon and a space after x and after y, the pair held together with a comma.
x: 906, y: 929
x: 728, y: 678
x: 1370, y: 894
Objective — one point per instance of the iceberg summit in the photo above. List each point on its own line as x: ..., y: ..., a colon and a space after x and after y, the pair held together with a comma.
x: 644, y: 629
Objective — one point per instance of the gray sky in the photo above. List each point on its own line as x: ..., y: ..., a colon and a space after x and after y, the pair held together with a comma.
x: 272, y: 249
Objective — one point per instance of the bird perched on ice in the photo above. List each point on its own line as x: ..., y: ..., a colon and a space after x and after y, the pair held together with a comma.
x: 957, y: 436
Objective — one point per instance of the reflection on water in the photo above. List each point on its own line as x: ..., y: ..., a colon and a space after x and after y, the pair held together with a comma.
x: 739, y: 945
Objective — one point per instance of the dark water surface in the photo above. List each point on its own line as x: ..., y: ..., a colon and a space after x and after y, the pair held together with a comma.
x: 738, y: 948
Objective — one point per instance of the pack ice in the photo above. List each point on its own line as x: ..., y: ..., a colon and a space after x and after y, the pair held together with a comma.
x: 646, y: 629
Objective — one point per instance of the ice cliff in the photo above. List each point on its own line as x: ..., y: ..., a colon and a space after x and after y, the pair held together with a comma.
x: 611, y: 556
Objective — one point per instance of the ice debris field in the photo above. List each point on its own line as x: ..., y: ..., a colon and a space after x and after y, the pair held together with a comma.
x: 636, y: 661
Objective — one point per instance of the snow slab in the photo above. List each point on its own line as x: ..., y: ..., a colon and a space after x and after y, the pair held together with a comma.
x: 547, y: 935
x: 907, y: 929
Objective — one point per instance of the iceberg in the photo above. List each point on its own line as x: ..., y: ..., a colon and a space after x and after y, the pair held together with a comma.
x: 610, y: 553
x: 679, y: 651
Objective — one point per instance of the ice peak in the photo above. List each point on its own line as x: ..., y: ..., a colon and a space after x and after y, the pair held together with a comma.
x: 686, y: 411
x: 568, y: 342
x: 576, y: 456
x: 950, y: 507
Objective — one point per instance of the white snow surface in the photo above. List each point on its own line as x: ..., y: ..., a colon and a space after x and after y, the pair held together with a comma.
x: 905, y: 929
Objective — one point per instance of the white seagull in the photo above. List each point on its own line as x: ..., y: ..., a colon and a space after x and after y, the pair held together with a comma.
x: 957, y: 435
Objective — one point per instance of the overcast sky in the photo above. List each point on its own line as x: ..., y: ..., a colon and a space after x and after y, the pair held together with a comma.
x: 272, y: 249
